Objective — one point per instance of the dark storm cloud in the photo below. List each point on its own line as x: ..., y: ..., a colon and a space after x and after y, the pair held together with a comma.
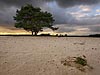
x: 62, y: 3
x: 9, y: 3
x: 60, y: 15
x: 68, y: 3
x: 18, y: 3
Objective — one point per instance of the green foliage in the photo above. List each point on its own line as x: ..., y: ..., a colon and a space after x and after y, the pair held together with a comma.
x: 33, y: 19
x: 81, y: 61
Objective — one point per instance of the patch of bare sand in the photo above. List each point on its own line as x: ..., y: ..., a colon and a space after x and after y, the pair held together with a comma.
x: 43, y: 55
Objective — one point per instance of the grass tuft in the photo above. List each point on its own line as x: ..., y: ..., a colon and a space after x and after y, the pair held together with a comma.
x: 81, y: 61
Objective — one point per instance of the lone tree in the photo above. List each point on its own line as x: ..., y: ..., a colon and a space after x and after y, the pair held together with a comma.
x: 33, y: 19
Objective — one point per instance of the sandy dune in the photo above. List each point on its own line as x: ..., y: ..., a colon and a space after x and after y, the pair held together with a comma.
x: 43, y: 55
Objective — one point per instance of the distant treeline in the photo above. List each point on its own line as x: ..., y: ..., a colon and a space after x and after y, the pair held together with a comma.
x: 60, y: 35
x: 94, y: 35
x: 57, y: 35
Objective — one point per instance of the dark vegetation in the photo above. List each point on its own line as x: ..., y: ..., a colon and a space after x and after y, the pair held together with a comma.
x: 94, y: 35
x: 81, y: 61
x: 52, y: 35
x: 44, y: 35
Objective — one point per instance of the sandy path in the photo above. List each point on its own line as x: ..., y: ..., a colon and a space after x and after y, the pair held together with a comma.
x: 43, y: 55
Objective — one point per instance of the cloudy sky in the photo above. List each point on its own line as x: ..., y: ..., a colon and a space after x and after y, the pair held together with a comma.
x: 77, y: 17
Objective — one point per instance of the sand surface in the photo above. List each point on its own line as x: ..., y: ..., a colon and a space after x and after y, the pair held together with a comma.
x: 43, y: 55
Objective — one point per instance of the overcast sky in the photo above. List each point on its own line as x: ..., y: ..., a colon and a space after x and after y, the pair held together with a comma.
x: 72, y: 16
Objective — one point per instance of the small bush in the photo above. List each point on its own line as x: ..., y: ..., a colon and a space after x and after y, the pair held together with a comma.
x: 45, y: 35
x: 81, y: 61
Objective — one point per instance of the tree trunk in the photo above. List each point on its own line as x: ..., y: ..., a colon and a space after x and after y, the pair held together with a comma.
x: 35, y: 33
x: 32, y: 33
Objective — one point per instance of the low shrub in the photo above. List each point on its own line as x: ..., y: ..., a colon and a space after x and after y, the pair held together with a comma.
x: 81, y: 61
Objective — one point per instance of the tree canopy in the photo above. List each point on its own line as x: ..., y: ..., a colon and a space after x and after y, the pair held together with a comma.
x: 33, y: 19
